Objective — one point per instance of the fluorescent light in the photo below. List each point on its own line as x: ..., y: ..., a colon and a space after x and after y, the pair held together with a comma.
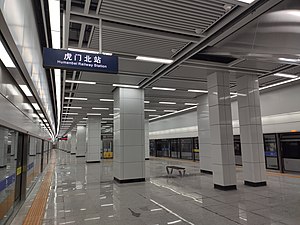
x: 72, y: 107
x: 125, y: 85
x: 70, y: 113
x: 170, y: 110
x: 36, y: 106
x: 41, y: 115
x: 85, y: 118
x: 285, y: 75
x: 246, y: 1
x: 169, y: 114
x: 80, y: 82
x: 54, y: 14
x: 150, y: 110
x: 153, y: 115
x: 168, y: 103
x: 93, y: 114
x: 107, y: 119
x: 146, y: 102
x: 106, y: 100
x: 68, y: 118
x: 198, y: 91
x: 280, y: 83
x: 57, y: 75
x: 26, y: 90
x: 173, y: 222
x: 152, y: 59
x: 289, y: 60
x: 163, y: 89
x: 191, y: 103
x: 101, y: 108
x: 5, y: 58
x: 73, y: 98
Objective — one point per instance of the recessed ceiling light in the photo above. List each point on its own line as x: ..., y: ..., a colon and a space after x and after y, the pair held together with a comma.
x: 246, y: 1
x: 152, y: 59
x: 170, y: 110
x: 36, y: 106
x: 26, y: 90
x: 285, y: 75
x: 191, y: 103
x: 5, y: 58
x: 101, y: 108
x: 106, y: 100
x: 73, y: 98
x: 280, y: 83
x: 179, y: 111
x: 146, y: 102
x: 70, y: 113
x: 150, y: 110
x: 168, y: 103
x: 72, y: 107
x: 125, y: 85
x: 163, y: 89
x: 80, y: 82
x: 198, y: 91
x: 289, y: 60
x: 93, y: 114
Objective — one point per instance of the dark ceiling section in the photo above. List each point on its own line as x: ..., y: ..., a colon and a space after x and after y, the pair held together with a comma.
x: 213, y: 58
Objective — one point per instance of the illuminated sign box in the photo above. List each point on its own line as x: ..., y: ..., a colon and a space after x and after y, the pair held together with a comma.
x: 81, y: 61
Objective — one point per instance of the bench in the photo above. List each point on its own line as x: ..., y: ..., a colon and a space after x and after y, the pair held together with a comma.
x: 181, y: 170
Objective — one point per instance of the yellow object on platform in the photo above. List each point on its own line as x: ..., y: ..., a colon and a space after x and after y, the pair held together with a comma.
x: 108, y: 155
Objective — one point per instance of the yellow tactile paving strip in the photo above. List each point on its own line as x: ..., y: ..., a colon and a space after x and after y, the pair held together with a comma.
x: 36, y: 212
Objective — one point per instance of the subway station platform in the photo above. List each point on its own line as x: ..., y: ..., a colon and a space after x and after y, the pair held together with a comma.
x: 85, y: 193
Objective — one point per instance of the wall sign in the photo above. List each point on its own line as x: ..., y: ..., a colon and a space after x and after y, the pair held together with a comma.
x: 73, y: 60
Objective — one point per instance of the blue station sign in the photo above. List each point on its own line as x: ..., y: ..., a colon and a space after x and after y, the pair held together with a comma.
x: 81, y: 61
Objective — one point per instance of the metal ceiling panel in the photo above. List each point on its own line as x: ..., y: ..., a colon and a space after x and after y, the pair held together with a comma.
x: 135, y: 44
x: 135, y: 66
x: 112, y: 78
x: 260, y: 65
x: 182, y: 16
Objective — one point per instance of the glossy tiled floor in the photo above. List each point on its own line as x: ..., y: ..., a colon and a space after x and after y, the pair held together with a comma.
x: 85, y: 194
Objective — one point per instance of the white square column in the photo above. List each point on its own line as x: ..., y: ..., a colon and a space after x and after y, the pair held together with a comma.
x: 81, y: 141
x: 94, y: 143
x: 147, y: 147
x: 221, y: 134
x: 204, y: 135
x: 252, y: 144
x: 73, y: 142
x: 129, y: 135
x: 3, y: 146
